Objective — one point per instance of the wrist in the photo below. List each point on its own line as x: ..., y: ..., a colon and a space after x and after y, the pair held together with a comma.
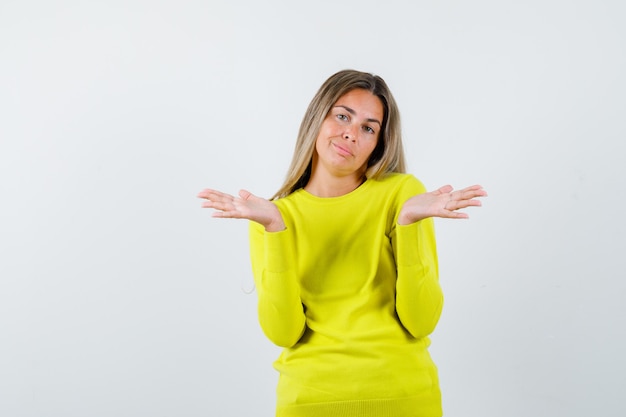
x: 275, y: 226
x: 406, y: 219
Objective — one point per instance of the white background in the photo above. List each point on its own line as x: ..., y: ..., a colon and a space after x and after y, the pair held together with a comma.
x: 120, y: 297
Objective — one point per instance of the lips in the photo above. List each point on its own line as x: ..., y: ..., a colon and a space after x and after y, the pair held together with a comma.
x: 341, y: 150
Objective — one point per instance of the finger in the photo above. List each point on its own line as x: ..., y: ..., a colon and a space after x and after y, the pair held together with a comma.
x: 206, y: 192
x: 461, y: 204
x: 216, y: 205
x: 226, y: 214
x: 214, y: 195
x: 459, y: 215
x: 452, y: 214
x: 461, y: 199
x: 222, y: 202
x: 218, y: 197
x: 245, y: 194
x: 473, y: 191
x: 444, y: 190
x: 469, y: 203
x: 467, y: 194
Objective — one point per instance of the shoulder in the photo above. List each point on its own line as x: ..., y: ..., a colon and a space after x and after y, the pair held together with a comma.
x: 293, y: 204
x: 400, y: 182
x: 288, y: 199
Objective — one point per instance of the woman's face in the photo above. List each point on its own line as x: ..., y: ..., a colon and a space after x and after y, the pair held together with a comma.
x: 349, y: 134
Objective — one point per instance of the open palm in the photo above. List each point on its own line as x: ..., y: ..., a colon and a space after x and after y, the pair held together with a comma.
x: 443, y: 202
x: 245, y: 206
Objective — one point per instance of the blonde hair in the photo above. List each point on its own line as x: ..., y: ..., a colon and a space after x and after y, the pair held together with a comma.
x: 388, y: 156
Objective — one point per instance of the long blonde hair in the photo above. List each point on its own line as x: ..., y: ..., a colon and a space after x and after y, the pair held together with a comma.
x: 388, y: 156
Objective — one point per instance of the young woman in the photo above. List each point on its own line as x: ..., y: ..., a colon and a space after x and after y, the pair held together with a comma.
x: 345, y: 263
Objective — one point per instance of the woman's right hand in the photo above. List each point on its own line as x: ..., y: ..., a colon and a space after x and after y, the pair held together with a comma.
x: 246, y: 206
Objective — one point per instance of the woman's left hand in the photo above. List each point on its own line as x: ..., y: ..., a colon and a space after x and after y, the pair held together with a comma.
x: 443, y: 202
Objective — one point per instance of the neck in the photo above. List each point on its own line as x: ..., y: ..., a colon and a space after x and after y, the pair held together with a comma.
x: 330, y: 186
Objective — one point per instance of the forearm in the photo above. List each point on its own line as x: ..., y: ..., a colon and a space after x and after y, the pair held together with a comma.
x: 280, y: 310
x: 419, y: 298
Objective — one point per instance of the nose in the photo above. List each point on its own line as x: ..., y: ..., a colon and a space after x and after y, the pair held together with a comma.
x: 349, y: 134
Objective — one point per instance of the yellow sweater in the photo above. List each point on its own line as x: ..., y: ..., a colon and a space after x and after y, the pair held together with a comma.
x: 351, y: 296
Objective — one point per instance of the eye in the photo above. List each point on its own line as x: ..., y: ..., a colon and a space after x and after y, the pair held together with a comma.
x: 342, y: 117
x: 368, y: 129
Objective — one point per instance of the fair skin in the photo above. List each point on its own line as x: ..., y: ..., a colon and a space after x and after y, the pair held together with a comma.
x: 347, y: 138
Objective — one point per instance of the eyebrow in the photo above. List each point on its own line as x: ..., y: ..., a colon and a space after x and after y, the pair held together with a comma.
x: 352, y: 112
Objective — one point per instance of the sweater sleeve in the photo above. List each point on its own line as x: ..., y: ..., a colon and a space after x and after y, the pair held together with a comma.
x: 280, y: 310
x: 419, y: 298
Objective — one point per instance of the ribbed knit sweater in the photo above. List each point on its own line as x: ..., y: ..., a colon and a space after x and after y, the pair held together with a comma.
x: 352, y: 296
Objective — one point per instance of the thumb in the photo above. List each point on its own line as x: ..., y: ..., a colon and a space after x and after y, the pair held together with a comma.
x: 245, y: 194
x: 445, y: 189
